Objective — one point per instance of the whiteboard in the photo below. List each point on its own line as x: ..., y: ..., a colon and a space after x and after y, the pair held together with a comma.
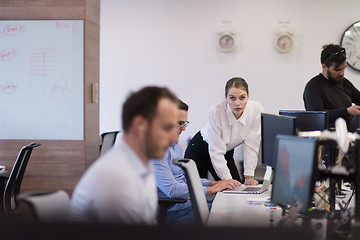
x: 41, y: 79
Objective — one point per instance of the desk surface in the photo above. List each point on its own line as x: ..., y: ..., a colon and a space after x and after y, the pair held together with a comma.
x: 230, y: 209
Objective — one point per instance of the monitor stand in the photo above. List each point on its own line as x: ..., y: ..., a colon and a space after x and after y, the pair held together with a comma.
x: 338, y: 192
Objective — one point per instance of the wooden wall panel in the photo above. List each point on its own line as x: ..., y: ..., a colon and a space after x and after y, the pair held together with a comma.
x: 42, y: 9
x: 92, y: 66
x: 60, y: 164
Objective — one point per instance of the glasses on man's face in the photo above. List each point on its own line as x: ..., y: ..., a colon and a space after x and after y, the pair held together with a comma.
x: 342, y: 51
x: 183, y: 124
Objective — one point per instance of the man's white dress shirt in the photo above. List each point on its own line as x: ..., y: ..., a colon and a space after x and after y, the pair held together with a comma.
x: 118, y: 187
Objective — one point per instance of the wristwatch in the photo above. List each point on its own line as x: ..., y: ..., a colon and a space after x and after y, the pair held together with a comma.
x: 249, y: 177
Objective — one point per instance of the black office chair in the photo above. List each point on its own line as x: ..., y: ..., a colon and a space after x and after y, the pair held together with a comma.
x: 4, y: 176
x: 107, y: 141
x: 164, y: 205
x: 13, y: 184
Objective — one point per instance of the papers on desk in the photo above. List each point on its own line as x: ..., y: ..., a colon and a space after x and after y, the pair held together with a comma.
x: 272, y: 207
x: 266, y: 202
x: 258, y: 201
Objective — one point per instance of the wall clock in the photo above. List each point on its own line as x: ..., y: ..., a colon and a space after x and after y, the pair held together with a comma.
x: 284, y: 40
x: 350, y: 40
x: 226, y: 41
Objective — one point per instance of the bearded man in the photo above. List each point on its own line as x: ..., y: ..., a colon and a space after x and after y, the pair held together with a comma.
x: 330, y: 90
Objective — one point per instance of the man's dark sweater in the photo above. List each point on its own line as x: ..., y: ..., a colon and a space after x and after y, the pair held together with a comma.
x: 322, y: 95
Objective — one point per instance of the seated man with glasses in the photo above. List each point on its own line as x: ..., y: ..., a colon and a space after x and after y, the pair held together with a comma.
x: 330, y: 90
x: 171, y: 181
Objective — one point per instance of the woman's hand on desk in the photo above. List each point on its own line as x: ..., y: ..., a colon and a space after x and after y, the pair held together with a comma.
x: 219, y: 186
x: 251, y: 181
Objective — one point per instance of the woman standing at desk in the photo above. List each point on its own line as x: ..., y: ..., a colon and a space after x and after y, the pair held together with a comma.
x: 232, y: 122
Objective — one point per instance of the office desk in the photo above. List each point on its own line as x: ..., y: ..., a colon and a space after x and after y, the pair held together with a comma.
x: 229, y: 209
x: 232, y: 210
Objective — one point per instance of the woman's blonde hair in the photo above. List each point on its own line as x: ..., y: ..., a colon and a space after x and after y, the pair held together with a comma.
x: 236, y: 82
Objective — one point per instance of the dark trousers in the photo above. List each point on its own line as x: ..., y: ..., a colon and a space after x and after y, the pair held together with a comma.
x: 198, y: 150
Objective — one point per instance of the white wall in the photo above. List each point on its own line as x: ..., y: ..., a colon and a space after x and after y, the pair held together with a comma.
x: 173, y: 43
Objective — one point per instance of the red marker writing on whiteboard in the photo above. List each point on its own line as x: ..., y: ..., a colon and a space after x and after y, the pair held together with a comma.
x: 7, y: 54
x: 8, y: 88
x: 13, y: 30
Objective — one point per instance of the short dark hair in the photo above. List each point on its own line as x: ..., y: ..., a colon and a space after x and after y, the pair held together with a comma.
x: 182, y: 105
x: 332, y: 53
x: 236, y: 82
x: 144, y: 103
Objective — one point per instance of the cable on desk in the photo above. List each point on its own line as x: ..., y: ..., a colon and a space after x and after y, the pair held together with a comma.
x: 348, y: 202
x: 322, y: 198
x: 339, y: 203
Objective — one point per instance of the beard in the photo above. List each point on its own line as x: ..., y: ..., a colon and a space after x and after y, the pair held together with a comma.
x: 151, y: 149
x: 333, y: 79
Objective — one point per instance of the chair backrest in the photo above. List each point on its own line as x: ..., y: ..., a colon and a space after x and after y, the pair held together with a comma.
x: 13, y: 184
x: 107, y: 141
x: 198, y: 199
x: 47, y: 206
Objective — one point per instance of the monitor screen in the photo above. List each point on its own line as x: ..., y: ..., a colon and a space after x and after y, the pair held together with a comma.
x: 272, y: 125
x: 294, y: 178
x: 308, y: 120
x: 356, y: 155
x: 354, y: 124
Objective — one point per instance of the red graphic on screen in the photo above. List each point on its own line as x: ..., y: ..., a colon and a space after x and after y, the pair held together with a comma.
x: 43, y: 64
x: 8, y: 88
x: 13, y: 30
x: 7, y: 54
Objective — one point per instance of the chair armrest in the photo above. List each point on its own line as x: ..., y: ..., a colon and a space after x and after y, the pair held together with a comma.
x: 170, y: 201
x: 165, y: 204
x: 4, y: 176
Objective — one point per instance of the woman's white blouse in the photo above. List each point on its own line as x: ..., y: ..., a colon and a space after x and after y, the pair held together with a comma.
x: 223, y: 132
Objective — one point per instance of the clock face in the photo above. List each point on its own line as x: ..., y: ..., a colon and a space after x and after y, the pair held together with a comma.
x: 284, y: 43
x: 226, y: 42
x: 351, y: 42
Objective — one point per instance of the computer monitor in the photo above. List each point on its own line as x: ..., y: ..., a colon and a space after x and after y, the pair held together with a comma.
x: 272, y: 125
x: 354, y: 124
x: 294, y: 178
x: 308, y: 120
x: 356, y: 182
